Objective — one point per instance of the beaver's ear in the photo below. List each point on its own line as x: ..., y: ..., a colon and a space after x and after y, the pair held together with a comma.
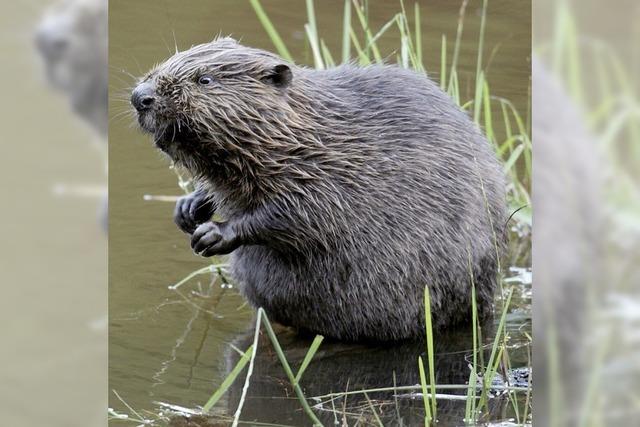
x: 279, y: 76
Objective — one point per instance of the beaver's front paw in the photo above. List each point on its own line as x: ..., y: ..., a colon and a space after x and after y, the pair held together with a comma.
x: 213, y: 238
x: 192, y: 210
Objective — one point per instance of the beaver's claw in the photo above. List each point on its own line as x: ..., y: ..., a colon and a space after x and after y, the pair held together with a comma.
x: 192, y: 210
x: 213, y: 238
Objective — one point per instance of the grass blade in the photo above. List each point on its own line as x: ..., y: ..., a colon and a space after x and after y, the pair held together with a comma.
x: 288, y: 371
x: 201, y: 271
x: 382, y: 30
x: 454, y: 87
x: 373, y: 410
x: 405, y: 32
x: 418, y: 31
x: 477, y: 103
x: 430, y: 352
x: 367, y: 31
x: 307, y: 358
x: 513, y: 158
x: 229, y: 380
x: 488, y: 120
x: 483, y: 21
x: 363, y: 57
x: 443, y: 63
x: 245, y: 387
x: 312, y: 34
x: 425, y: 395
x: 494, y: 358
x: 346, y: 28
x: 456, y: 46
x: 470, y: 409
x: 315, y: 47
x: 271, y: 31
x: 326, y: 55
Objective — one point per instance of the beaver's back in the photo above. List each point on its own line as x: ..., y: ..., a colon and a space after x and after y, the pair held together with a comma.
x: 417, y: 203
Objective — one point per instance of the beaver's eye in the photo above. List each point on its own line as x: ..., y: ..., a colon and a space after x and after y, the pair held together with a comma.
x: 205, y: 80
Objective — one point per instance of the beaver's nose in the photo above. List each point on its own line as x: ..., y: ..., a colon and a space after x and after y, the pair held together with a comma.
x: 143, y: 96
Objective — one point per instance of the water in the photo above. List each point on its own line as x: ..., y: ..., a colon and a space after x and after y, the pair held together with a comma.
x: 175, y: 347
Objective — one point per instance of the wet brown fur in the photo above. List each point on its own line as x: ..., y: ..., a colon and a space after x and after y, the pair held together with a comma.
x: 346, y: 191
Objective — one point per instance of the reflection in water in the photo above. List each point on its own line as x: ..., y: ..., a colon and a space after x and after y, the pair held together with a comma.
x: 345, y: 367
x: 336, y: 368
x: 207, y: 310
x: 157, y: 377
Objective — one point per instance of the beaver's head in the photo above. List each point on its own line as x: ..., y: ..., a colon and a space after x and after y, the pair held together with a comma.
x: 213, y: 101
x: 72, y: 42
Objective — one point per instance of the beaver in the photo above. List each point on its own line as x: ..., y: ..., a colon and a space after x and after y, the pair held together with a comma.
x: 344, y: 192
x: 72, y: 42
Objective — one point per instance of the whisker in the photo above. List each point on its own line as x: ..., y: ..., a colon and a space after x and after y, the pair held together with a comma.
x: 125, y: 72
x: 121, y: 115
